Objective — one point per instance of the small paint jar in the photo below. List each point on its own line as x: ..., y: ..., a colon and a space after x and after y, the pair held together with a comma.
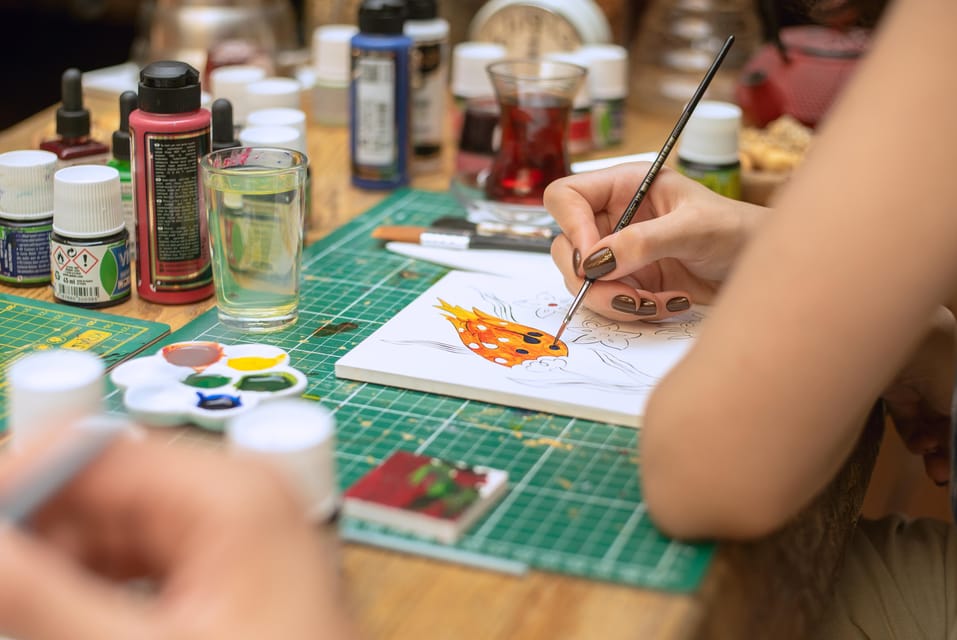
x: 273, y: 92
x: 282, y: 117
x: 579, y: 118
x: 89, y: 246
x: 230, y: 83
x: 48, y: 389
x: 330, y: 49
x: 298, y: 437
x: 471, y: 82
x: 26, y: 217
x: 608, y: 88
x: 285, y: 136
x: 708, y: 149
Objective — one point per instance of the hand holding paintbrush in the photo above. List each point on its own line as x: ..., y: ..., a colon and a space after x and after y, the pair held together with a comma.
x: 645, y: 185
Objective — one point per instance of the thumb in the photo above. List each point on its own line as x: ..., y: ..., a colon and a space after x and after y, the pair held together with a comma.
x: 43, y: 596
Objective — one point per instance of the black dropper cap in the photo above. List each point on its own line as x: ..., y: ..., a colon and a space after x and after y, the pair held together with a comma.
x: 223, y: 132
x: 169, y: 86
x: 421, y: 9
x: 72, y: 120
x: 385, y: 17
x: 121, y: 137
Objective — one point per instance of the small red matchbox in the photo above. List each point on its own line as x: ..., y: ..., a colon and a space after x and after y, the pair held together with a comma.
x: 425, y: 496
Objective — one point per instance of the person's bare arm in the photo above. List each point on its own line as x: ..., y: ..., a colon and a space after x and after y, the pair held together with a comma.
x: 826, y: 303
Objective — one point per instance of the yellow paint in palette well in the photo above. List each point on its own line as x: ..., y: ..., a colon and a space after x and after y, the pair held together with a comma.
x: 255, y: 363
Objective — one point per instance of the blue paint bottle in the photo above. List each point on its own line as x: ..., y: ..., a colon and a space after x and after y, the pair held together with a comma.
x: 379, y: 120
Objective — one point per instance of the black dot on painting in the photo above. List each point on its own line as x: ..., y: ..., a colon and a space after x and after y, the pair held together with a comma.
x: 530, y: 340
x: 554, y: 347
x: 535, y: 334
x: 522, y: 351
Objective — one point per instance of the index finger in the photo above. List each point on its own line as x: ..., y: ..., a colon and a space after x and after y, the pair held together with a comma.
x: 587, y: 206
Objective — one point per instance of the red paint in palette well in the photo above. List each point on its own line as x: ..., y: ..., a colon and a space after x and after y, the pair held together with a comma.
x: 391, y: 485
x: 193, y: 354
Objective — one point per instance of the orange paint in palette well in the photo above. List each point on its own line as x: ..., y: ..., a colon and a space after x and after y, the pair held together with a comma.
x: 197, y: 355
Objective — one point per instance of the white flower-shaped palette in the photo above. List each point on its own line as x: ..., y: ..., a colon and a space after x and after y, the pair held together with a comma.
x: 205, y: 383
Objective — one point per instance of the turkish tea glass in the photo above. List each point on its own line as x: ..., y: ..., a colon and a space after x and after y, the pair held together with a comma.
x: 535, y: 99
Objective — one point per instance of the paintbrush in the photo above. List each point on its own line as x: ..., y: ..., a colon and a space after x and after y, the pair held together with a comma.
x: 81, y: 445
x: 462, y: 239
x: 652, y: 172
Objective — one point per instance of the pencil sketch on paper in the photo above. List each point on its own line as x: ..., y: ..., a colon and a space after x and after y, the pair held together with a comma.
x: 604, y: 370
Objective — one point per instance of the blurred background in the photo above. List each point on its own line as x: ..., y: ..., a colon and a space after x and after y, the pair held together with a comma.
x: 42, y: 38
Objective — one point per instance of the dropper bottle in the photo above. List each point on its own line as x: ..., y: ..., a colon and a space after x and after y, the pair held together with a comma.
x: 223, y: 131
x: 121, y: 161
x: 73, y: 144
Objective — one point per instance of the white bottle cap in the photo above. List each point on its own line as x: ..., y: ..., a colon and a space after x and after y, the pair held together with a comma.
x: 298, y: 436
x: 87, y: 202
x: 26, y: 184
x: 273, y: 92
x: 278, y: 117
x: 230, y: 82
x: 469, y: 60
x: 711, y: 135
x: 582, y: 99
x: 331, y: 52
x: 285, y: 137
x: 48, y: 389
x: 607, y: 70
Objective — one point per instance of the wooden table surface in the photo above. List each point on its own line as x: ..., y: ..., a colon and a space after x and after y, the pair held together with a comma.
x: 771, y: 588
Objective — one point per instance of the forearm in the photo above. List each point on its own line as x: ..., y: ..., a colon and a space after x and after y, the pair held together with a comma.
x: 824, y: 306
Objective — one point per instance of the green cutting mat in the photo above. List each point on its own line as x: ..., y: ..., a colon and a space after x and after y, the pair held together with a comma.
x: 574, y: 504
x: 32, y: 325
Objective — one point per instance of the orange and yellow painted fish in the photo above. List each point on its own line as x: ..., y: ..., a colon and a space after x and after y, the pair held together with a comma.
x: 500, y: 341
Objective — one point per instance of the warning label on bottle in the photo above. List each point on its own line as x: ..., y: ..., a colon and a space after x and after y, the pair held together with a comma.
x: 90, y: 274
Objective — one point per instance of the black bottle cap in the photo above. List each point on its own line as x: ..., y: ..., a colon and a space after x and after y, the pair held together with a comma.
x: 223, y: 132
x: 121, y: 137
x: 421, y: 9
x: 382, y: 16
x: 72, y: 120
x: 169, y: 86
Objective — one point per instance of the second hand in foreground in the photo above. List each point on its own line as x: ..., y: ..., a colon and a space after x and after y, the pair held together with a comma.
x: 652, y: 172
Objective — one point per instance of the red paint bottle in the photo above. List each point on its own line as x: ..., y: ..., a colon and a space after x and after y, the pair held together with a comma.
x: 73, y: 144
x: 169, y: 133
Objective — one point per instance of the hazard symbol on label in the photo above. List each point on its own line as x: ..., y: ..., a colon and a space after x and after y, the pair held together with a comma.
x: 86, y: 261
x: 59, y: 257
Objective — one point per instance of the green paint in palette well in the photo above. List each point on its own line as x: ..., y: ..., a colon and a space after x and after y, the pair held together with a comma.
x: 273, y: 381
x: 202, y: 381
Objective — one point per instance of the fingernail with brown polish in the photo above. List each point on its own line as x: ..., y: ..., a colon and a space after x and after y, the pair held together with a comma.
x: 576, y: 260
x: 625, y: 304
x: 599, y: 263
x: 678, y: 304
x: 647, y: 307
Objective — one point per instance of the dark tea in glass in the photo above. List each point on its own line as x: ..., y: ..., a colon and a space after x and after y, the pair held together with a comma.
x: 532, y: 149
x: 535, y: 98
